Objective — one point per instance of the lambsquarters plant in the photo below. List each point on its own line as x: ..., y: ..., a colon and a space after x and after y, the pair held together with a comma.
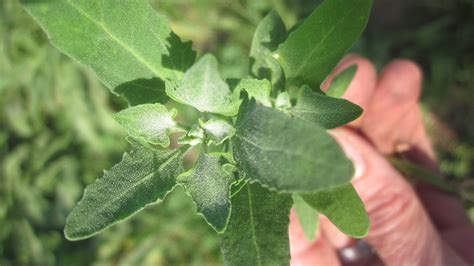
x: 262, y: 139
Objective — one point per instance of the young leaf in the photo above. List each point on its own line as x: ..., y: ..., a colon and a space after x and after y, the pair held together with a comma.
x: 285, y: 153
x: 208, y: 184
x: 218, y: 130
x: 257, y: 233
x: 283, y: 101
x: 343, y: 207
x: 126, y: 43
x: 255, y: 88
x: 307, y: 216
x: 194, y: 137
x: 314, y: 48
x: 341, y: 82
x: 203, y: 88
x: 143, y: 177
x: 270, y: 32
x: 150, y: 122
x: 327, y: 111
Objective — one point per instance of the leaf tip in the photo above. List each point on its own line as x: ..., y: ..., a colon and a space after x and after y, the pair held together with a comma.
x: 360, y: 234
x: 70, y: 234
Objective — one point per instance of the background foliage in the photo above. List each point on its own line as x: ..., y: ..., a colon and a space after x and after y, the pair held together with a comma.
x: 57, y: 131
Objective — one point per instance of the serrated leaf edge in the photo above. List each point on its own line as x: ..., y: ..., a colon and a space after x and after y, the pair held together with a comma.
x: 71, y: 238
x: 219, y: 231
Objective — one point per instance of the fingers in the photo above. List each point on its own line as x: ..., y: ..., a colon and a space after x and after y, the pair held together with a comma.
x: 401, y: 230
x: 336, y: 238
x: 360, y: 92
x: 393, y: 119
x: 446, y: 211
x: 321, y: 253
x: 362, y: 86
x: 462, y: 240
x: 305, y: 252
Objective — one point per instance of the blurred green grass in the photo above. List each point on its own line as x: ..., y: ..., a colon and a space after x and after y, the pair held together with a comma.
x: 57, y: 132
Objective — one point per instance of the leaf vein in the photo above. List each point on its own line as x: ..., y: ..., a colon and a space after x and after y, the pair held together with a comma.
x: 323, y: 41
x: 117, y: 40
x: 252, y: 226
x: 286, y: 151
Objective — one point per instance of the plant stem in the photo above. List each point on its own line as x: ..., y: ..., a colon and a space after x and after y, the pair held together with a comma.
x: 417, y: 172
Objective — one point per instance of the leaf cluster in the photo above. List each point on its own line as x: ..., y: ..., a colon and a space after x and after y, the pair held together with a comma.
x: 263, y: 138
x: 50, y: 128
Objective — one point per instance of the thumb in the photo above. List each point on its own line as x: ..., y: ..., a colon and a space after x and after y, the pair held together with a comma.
x: 401, y: 231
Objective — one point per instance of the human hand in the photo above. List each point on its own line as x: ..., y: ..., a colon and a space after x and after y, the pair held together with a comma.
x: 409, y: 226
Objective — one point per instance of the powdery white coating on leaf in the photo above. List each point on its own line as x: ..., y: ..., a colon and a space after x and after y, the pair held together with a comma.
x: 208, y: 184
x: 218, y: 130
x: 150, y: 122
x: 283, y: 101
x: 194, y: 136
x: 143, y: 177
x: 203, y: 88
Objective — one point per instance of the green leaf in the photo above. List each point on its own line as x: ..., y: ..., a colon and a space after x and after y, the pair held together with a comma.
x: 343, y: 207
x: 327, y: 111
x: 341, y: 82
x: 283, y: 101
x: 143, y: 177
x: 285, y: 153
x: 307, y: 216
x: 218, y: 130
x: 258, y: 89
x: 203, y: 88
x: 126, y: 43
x: 257, y: 233
x: 208, y: 184
x: 270, y: 32
x: 194, y: 137
x: 150, y: 122
x: 143, y: 91
x: 314, y: 48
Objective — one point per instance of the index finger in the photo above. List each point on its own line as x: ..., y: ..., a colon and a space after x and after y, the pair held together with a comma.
x: 361, y: 87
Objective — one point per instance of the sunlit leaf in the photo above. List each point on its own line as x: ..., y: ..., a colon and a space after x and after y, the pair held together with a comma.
x: 312, y: 51
x: 343, y: 207
x: 326, y: 111
x: 208, y: 184
x: 203, y: 88
x: 150, y: 122
x: 257, y: 233
x: 285, y: 153
x: 143, y: 177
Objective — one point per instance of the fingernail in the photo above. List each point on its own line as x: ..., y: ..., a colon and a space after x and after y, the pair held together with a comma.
x: 359, y: 165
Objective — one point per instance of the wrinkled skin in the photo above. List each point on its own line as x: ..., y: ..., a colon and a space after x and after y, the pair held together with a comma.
x: 409, y: 225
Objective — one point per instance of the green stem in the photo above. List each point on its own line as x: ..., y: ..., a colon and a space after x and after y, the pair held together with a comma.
x: 418, y: 172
